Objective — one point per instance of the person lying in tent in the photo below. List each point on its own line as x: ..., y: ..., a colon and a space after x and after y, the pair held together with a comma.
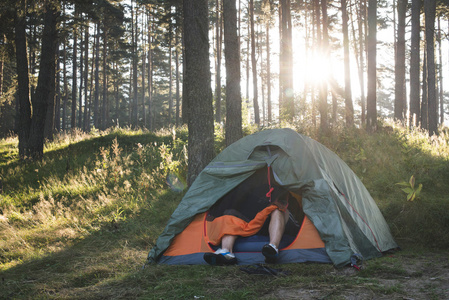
x: 268, y: 215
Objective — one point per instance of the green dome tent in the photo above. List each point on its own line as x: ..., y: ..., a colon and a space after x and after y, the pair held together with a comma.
x: 334, y: 200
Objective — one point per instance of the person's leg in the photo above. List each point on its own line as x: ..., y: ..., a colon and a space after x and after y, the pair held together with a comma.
x: 276, y: 230
x: 227, y: 242
x: 223, y: 255
x: 277, y: 226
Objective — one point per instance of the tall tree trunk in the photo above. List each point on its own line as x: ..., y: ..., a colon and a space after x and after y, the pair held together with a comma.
x: 197, y: 87
x: 358, y: 55
x: 232, y: 61
x: 415, y: 110
x: 429, y: 10
x: 349, y: 109
x: 50, y: 116
x: 269, y: 110
x: 97, y: 78
x: 399, y: 102
x: 105, y: 106
x: 117, y: 96
x: 306, y: 87
x: 80, y: 90
x: 86, y: 77
x: 144, y: 66
x: 286, y: 104
x: 2, y: 62
x: 170, y: 73
x: 135, y: 106
x: 362, y: 40
x: 424, y: 101
x: 130, y: 91
x: 65, y: 87
x: 262, y: 81
x: 254, y: 64
x: 219, y: 40
x: 371, y: 109
x: 247, y: 69
x: 46, y: 82
x: 316, y: 42
x: 90, y: 104
x: 50, y: 121
x: 149, y: 123
x: 32, y: 48
x: 57, y: 123
x: 323, y: 108
x: 440, y: 74
x: 74, y: 69
x: 318, y: 45
x: 23, y: 89
x: 178, y: 80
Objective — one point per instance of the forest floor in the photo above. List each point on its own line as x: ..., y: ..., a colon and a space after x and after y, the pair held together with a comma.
x: 80, y: 223
x: 403, y: 276
x: 84, y: 273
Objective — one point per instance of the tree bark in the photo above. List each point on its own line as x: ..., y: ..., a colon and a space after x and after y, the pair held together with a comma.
x: 415, y: 110
x: 262, y: 81
x: 269, y: 110
x: 430, y: 9
x: 57, y: 123
x: 65, y: 87
x: 2, y: 62
x: 440, y: 77
x: 74, y: 69
x: 197, y: 87
x: 149, y: 122
x: 117, y: 97
x: 105, y: 106
x: 219, y: 40
x: 323, y: 107
x: 349, y: 108
x: 50, y: 117
x: 135, y: 106
x: 362, y: 39
x: 371, y: 109
x: 23, y: 89
x: 97, y: 78
x: 45, y: 84
x: 232, y: 61
x: 86, y: 77
x: 178, y: 91
x: 90, y: 102
x: 286, y: 97
x: 170, y: 73
x: 399, y: 102
x: 80, y: 89
x: 424, y: 101
x: 144, y: 67
x: 358, y: 55
x: 254, y: 65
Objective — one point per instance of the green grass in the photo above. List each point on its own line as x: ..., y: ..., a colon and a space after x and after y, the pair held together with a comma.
x: 79, y: 224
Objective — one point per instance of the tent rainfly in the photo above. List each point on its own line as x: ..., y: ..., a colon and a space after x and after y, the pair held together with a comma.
x: 338, y: 217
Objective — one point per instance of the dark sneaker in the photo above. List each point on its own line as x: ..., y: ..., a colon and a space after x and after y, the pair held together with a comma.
x: 270, y: 252
x: 220, y: 258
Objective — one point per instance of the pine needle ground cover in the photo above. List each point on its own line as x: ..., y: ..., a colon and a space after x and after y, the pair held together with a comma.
x: 79, y: 224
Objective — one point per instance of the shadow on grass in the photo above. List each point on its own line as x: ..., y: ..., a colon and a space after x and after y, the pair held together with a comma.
x: 104, y: 264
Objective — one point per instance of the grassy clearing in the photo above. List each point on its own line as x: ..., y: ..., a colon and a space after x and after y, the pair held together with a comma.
x: 80, y: 223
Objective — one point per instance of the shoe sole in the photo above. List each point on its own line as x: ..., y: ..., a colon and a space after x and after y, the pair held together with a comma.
x: 218, y: 260
x: 270, y: 254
